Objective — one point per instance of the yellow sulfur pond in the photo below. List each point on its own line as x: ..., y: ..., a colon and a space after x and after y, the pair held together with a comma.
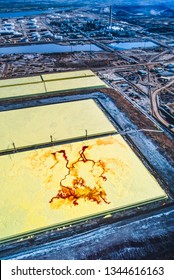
x: 63, y: 121
x: 51, y: 186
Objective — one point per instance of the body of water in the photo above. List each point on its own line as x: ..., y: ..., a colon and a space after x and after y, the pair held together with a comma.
x: 24, y: 13
x: 48, y: 48
x: 132, y: 45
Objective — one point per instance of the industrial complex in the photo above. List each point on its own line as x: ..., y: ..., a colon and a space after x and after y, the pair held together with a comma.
x: 87, y: 131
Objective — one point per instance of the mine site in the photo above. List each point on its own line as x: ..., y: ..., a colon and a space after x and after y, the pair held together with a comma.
x: 87, y: 132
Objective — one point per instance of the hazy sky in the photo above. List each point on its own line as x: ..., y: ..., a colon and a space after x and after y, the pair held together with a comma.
x: 142, y: 2
x: 106, y: 2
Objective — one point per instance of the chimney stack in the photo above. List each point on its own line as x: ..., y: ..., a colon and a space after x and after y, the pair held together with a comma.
x: 110, y: 17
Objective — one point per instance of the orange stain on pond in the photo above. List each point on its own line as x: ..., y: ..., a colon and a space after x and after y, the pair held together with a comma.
x: 79, y: 187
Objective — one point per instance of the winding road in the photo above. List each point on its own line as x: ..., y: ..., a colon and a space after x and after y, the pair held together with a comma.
x: 154, y: 104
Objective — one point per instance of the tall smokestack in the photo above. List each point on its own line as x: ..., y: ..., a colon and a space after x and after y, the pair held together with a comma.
x: 110, y: 16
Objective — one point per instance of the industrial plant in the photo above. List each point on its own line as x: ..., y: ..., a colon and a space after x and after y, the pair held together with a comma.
x: 87, y: 131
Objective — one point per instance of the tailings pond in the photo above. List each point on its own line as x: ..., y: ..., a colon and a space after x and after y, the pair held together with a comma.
x: 133, y: 45
x: 49, y: 48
